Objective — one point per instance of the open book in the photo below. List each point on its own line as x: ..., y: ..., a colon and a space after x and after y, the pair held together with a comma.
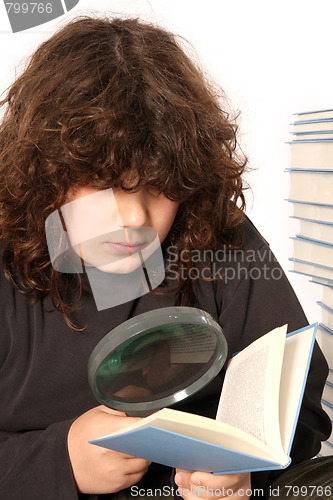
x: 256, y: 417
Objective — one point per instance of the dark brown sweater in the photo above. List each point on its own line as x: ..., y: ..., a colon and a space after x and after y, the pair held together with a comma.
x: 43, y: 368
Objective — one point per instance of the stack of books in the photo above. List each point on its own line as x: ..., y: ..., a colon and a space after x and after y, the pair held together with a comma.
x: 311, y: 196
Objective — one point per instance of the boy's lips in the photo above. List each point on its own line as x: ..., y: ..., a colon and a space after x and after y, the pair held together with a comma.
x: 124, y: 248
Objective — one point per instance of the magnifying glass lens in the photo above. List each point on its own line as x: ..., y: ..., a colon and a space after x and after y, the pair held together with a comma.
x: 157, y: 359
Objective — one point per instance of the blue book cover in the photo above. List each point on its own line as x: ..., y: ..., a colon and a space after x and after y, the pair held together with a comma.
x: 191, y: 442
x: 308, y: 203
x: 299, y: 140
x: 184, y: 452
x: 316, y: 113
x: 313, y: 271
x: 325, y: 328
x: 312, y: 132
x: 322, y: 283
x: 310, y: 275
x: 309, y: 170
x: 306, y: 239
x: 314, y: 264
x: 315, y: 252
x: 299, y: 122
x: 324, y: 306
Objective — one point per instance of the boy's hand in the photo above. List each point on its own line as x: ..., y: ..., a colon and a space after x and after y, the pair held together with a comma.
x: 97, y: 470
x: 194, y: 485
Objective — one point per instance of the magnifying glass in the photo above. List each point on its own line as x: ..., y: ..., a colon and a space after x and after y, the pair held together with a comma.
x: 156, y: 359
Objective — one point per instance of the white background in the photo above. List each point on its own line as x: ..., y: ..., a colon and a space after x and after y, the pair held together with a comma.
x: 272, y: 58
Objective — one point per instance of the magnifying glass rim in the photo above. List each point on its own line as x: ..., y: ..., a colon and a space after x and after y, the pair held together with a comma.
x: 144, y: 322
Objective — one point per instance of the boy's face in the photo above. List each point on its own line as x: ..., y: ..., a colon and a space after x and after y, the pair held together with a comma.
x: 115, y: 230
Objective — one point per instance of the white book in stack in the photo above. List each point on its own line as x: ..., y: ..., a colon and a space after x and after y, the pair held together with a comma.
x: 312, y: 258
x: 313, y: 127
x: 320, y: 281
x: 314, y: 122
x: 326, y: 449
x: 327, y: 319
x: 311, y: 186
x: 311, y: 154
x: 318, y: 115
x: 312, y: 211
x: 316, y: 230
x: 324, y: 338
x: 311, y: 195
x: 325, y: 328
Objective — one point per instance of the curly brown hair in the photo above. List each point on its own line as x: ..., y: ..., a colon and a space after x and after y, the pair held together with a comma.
x: 97, y: 98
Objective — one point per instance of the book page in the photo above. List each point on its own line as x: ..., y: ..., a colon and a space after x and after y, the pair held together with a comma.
x: 237, y: 403
x: 250, y: 394
x: 181, y: 344
x: 195, y: 345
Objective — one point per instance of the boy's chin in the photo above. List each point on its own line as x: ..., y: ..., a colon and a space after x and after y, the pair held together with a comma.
x: 122, y: 266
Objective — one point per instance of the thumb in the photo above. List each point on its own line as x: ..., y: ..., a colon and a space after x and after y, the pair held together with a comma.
x: 120, y: 422
x: 110, y: 411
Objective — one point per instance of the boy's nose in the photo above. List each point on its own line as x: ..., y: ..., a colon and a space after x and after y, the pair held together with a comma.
x: 132, y: 210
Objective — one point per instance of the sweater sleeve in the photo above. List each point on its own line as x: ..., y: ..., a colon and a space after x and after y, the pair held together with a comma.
x: 35, y: 464
x: 33, y: 452
x: 262, y: 300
